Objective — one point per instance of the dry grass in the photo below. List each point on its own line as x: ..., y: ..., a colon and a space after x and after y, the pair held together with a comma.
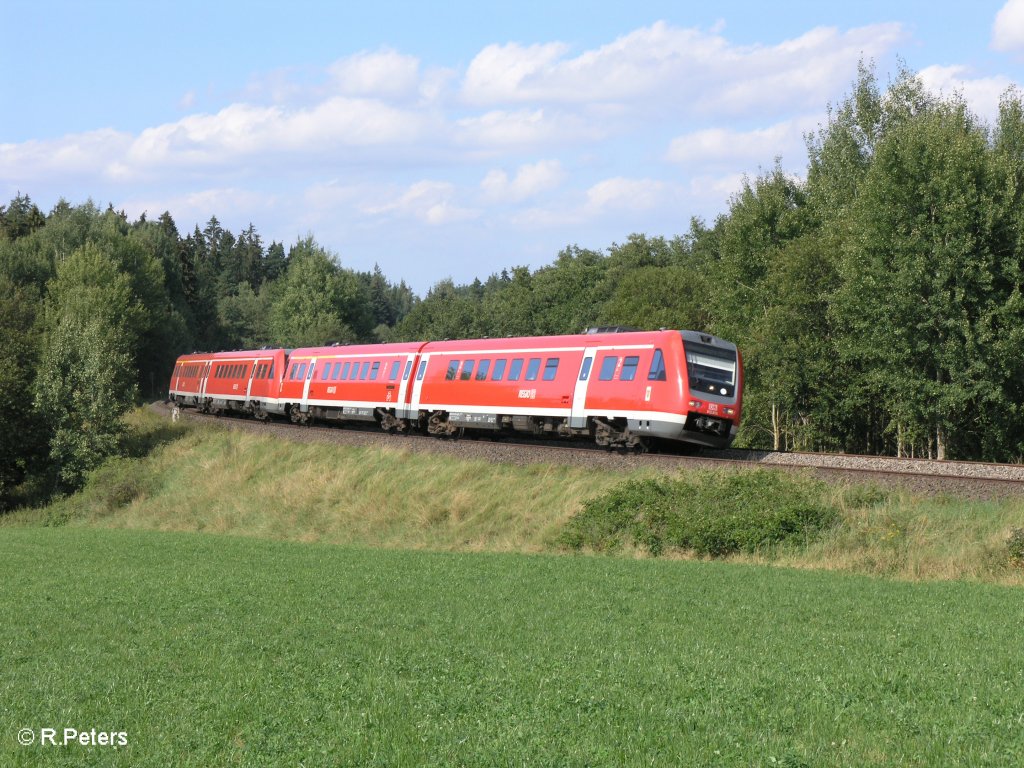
x: 220, y: 481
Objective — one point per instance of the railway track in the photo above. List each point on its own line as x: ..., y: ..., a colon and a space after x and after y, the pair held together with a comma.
x: 976, y: 480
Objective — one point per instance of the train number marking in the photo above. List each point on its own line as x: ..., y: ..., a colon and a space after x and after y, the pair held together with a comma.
x: 527, y: 394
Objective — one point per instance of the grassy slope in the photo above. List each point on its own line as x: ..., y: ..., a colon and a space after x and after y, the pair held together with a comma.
x: 212, y: 480
x: 227, y: 650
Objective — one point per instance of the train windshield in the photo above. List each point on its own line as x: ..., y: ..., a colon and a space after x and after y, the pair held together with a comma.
x: 711, y: 370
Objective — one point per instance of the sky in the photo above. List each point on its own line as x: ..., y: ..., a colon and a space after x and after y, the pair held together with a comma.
x: 453, y: 139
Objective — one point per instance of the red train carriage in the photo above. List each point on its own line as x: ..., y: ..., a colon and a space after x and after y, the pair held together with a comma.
x: 621, y: 389
x: 246, y: 381
x: 350, y: 383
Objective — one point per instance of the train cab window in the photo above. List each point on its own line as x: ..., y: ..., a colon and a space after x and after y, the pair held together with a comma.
x: 374, y: 370
x: 270, y: 373
x: 550, y: 368
x: 408, y: 370
x: 608, y: 368
x: 532, y: 368
x: 657, y: 367
x: 585, y: 368
x: 395, y: 366
x: 422, y: 370
x: 293, y: 372
x: 629, y: 365
x: 499, y: 369
x: 467, y: 370
x: 481, y: 372
x: 363, y: 370
x: 516, y: 369
x: 312, y: 367
x: 301, y: 373
x: 452, y: 372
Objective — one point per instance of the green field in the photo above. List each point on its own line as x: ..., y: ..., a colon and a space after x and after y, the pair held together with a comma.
x: 223, y: 650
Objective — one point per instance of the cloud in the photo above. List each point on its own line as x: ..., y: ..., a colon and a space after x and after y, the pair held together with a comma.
x: 384, y: 73
x: 234, y: 206
x: 1008, y: 27
x: 529, y: 181
x: 431, y: 202
x: 713, y: 146
x: 982, y: 94
x: 678, y: 68
x: 627, y: 194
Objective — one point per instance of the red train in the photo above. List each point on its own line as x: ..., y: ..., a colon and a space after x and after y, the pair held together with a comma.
x: 617, y: 388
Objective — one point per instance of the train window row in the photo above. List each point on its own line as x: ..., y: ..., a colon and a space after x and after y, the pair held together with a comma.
x: 464, y: 370
x: 627, y: 372
x: 337, y: 370
x: 230, y: 371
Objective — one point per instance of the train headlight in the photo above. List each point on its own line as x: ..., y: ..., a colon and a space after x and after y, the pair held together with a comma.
x: 696, y: 403
x: 729, y: 411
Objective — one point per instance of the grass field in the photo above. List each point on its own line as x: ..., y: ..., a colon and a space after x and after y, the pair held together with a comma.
x: 379, y: 607
x: 221, y: 650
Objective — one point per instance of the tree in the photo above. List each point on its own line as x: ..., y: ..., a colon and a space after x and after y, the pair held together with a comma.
x: 319, y: 302
x: 86, y: 377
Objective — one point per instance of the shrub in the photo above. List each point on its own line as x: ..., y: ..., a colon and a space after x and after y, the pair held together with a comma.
x: 1015, y: 544
x: 712, y: 514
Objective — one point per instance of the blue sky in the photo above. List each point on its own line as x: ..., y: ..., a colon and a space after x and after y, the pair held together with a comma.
x: 452, y: 139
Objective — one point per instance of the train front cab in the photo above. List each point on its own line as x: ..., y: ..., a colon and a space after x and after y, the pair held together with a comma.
x: 712, y: 375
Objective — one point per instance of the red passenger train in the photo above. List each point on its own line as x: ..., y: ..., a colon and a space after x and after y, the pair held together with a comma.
x: 617, y: 388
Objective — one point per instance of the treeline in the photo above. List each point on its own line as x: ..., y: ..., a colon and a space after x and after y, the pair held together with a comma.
x: 95, y: 308
x: 877, y: 300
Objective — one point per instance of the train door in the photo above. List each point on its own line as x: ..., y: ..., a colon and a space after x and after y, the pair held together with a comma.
x: 205, y: 372
x: 577, y: 417
x: 305, y: 389
x: 252, y: 374
x: 403, y: 387
x: 417, y: 383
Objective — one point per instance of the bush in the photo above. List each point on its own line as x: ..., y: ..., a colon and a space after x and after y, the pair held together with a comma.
x: 712, y: 514
x: 1015, y: 544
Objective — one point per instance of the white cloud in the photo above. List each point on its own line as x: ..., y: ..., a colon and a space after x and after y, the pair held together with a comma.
x: 382, y: 73
x: 627, y: 194
x: 742, y: 148
x: 1008, y: 27
x: 529, y: 181
x: 684, y: 69
x: 982, y: 94
x: 233, y: 206
x: 431, y: 202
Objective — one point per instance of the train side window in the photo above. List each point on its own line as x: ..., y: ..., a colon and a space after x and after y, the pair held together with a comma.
x: 515, y: 369
x: 629, y: 365
x: 325, y: 374
x: 270, y: 374
x: 293, y: 372
x: 467, y: 370
x: 364, y: 370
x: 585, y: 369
x: 499, y: 369
x: 408, y: 370
x: 481, y: 372
x: 550, y: 369
x: 336, y: 372
x: 344, y: 371
x: 657, y: 367
x: 453, y: 370
x: 422, y: 370
x: 608, y: 368
x: 374, y: 370
x: 312, y: 367
x: 302, y: 371
x: 532, y: 368
x: 394, y: 370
